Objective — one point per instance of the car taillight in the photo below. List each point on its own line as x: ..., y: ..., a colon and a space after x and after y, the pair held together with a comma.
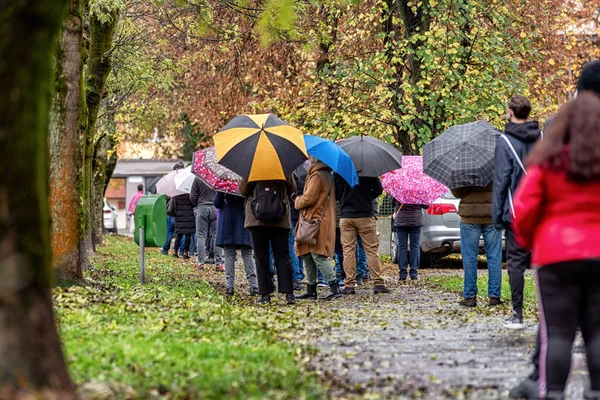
x: 441, y: 209
x: 107, y: 211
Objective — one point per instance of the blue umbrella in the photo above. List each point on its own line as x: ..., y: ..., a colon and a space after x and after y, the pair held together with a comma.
x: 332, y: 155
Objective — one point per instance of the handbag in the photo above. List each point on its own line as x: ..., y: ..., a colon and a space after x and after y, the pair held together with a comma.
x: 307, y: 230
x: 171, y: 207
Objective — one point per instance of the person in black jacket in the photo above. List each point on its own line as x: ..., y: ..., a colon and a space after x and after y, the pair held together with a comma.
x: 357, y: 218
x: 185, y: 224
x: 520, y: 135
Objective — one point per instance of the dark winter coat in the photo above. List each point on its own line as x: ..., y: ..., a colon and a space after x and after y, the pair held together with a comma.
x: 475, y: 204
x: 509, y: 169
x: 409, y: 214
x: 201, y: 194
x: 230, y: 225
x: 247, y: 190
x: 185, y: 220
x: 357, y: 202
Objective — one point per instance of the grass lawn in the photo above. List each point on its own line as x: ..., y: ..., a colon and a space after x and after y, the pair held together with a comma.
x: 173, y: 338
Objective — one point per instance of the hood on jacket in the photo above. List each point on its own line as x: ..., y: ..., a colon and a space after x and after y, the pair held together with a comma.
x: 318, y: 166
x: 528, y: 132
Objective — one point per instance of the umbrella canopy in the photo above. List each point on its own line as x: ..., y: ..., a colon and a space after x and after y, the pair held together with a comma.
x: 260, y: 147
x: 409, y: 185
x: 184, y: 180
x: 332, y: 155
x: 371, y: 157
x: 166, y: 185
x: 214, y: 175
x: 463, y: 155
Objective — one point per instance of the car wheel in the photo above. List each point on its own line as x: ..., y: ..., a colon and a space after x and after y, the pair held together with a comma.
x: 426, y: 260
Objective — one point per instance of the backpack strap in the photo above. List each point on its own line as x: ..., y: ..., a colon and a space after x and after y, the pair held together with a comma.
x: 512, y: 149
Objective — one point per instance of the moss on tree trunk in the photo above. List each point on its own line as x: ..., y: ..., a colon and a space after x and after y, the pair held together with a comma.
x: 30, y: 348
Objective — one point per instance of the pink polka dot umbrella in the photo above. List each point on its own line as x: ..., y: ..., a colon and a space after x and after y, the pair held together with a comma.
x: 215, y: 175
x: 409, y: 185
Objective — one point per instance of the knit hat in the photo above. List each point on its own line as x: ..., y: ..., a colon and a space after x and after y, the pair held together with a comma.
x: 590, y: 77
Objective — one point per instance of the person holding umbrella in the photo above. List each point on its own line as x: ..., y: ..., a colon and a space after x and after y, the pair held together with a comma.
x: 264, y: 151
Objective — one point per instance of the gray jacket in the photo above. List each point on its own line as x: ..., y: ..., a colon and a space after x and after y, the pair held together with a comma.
x: 201, y: 194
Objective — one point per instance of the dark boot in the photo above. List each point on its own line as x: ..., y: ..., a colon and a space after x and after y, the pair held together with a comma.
x: 334, y: 291
x: 186, y: 255
x: 311, y: 293
x: 555, y: 395
x: 290, y: 299
x: 264, y: 299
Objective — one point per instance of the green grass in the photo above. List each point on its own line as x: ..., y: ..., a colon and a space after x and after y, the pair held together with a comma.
x: 453, y: 282
x: 175, y: 335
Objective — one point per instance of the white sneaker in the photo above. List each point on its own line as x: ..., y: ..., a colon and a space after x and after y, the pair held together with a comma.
x: 514, y: 323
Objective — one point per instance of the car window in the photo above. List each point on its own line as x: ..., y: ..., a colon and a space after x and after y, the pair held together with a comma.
x: 448, y: 196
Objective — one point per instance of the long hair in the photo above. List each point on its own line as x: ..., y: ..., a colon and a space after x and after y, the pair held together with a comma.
x: 572, y: 142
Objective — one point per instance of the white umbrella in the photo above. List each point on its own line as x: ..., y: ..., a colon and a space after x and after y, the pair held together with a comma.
x: 166, y: 185
x: 184, y: 180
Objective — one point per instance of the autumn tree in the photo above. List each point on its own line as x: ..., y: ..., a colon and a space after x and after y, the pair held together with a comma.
x: 31, y: 351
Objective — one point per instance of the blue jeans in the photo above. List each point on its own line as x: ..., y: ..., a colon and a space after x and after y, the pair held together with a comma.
x: 192, y: 243
x: 469, y: 243
x: 297, y: 262
x: 403, y: 233
x: 362, y: 269
x: 170, y: 232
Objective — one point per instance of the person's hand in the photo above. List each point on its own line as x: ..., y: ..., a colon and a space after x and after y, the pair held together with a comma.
x: 293, y: 196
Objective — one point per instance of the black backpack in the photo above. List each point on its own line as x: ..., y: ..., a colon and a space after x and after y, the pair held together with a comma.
x: 269, y: 200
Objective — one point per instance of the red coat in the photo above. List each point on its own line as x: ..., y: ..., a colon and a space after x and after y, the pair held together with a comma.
x: 559, y: 220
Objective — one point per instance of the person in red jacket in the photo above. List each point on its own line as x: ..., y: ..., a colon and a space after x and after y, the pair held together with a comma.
x: 557, y: 217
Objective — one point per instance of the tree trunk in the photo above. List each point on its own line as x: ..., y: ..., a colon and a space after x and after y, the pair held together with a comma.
x: 97, y: 71
x: 30, y: 348
x: 64, y: 148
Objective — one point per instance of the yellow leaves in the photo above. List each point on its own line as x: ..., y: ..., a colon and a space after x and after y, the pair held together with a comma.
x: 551, y: 62
x: 523, y: 35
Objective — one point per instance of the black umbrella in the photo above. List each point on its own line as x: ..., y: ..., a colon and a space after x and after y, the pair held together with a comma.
x: 463, y: 155
x: 371, y: 157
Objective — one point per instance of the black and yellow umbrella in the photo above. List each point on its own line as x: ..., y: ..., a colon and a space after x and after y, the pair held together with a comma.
x: 260, y: 147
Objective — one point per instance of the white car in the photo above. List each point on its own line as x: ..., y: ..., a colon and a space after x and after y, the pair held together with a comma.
x: 110, y: 217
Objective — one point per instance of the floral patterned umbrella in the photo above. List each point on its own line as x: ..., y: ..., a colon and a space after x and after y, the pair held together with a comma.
x: 215, y: 175
x: 409, y: 185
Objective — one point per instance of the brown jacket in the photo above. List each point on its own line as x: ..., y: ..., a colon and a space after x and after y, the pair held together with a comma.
x: 247, y: 190
x: 319, y: 185
x: 475, y: 204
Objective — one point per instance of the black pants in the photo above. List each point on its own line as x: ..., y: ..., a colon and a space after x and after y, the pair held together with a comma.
x: 569, y: 298
x: 262, y: 236
x: 186, y: 242
x: 518, y: 260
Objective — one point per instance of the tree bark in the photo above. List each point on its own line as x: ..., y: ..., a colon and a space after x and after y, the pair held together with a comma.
x: 30, y: 348
x: 64, y: 148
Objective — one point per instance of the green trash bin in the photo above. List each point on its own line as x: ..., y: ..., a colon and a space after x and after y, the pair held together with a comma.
x: 151, y: 211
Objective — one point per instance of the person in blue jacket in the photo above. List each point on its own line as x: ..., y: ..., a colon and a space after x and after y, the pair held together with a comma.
x: 231, y: 237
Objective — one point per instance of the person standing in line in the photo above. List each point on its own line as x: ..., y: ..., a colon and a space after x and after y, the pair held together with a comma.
x: 408, y: 220
x: 202, y: 197
x: 132, y: 206
x: 556, y: 216
x: 520, y: 135
x: 318, y: 204
x: 268, y: 220
x: 185, y: 224
x: 357, y: 218
x: 475, y: 210
x: 171, y: 220
x: 231, y: 237
x: 297, y: 262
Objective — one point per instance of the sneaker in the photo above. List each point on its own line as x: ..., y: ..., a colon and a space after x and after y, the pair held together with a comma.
x: 298, y: 286
x: 527, y: 389
x: 359, y: 281
x: 514, y: 322
x: 366, y: 278
x: 468, y: 302
x: 414, y: 278
x: 322, y: 284
x: 342, y: 284
x: 348, y: 290
x: 186, y: 256
x: 402, y: 279
x: 254, y: 292
x: 495, y: 301
x: 380, y: 290
x: 200, y: 267
x: 220, y: 268
x: 229, y: 291
x: 164, y: 252
x: 290, y: 298
x: 264, y: 299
